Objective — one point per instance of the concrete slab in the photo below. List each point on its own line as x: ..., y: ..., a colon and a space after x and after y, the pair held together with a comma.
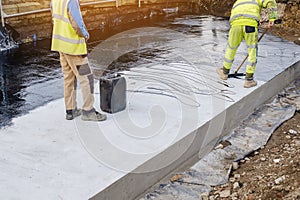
x: 177, y: 109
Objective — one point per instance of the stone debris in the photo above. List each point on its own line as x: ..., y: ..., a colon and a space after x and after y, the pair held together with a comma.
x: 263, y: 159
x: 251, y: 197
x: 176, y: 177
x: 291, y: 131
x: 219, y: 146
x: 237, y: 176
x: 225, y: 193
x: 231, y: 180
x: 236, y: 185
x: 279, y: 180
x: 277, y: 187
x: 204, y: 196
x: 247, y: 159
x: 235, y: 165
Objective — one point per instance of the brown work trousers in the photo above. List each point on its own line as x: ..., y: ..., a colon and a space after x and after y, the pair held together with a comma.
x: 76, y: 68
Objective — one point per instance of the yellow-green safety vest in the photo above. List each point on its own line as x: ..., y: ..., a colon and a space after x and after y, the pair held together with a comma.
x: 247, y: 12
x: 64, y: 37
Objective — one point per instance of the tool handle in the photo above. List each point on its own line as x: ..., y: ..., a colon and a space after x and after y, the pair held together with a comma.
x: 239, y: 67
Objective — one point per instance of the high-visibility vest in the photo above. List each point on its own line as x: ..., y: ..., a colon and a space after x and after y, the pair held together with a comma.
x: 64, y: 37
x: 246, y: 12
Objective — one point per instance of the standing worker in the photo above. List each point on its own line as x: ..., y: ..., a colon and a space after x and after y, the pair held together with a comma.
x: 69, y: 39
x: 244, y: 20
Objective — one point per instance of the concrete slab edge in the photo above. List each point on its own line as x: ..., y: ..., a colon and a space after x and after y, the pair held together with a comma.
x: 134, y: 184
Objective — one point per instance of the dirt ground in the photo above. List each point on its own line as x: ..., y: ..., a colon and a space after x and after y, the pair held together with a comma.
x: 289, y: 13
x: 273, y: 172
x: 289, y: 33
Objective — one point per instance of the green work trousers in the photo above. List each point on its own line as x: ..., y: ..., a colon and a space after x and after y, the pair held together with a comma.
x: 236, y: 36
x: 77, y: 68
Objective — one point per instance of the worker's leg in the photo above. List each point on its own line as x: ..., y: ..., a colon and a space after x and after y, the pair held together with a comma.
x: 250, y: 36
x: 69, y: 83
x: 84, y: 75
x: 82, y: 70
x: 234, y: 40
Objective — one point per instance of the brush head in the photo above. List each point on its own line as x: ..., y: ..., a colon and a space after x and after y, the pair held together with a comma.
x: 236, y: 75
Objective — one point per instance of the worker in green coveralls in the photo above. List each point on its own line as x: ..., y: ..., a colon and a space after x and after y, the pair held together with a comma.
x: 244, y: 21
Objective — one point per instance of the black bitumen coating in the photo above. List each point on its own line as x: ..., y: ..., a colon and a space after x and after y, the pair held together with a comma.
x: 25, y: 74
x: 30, y: 76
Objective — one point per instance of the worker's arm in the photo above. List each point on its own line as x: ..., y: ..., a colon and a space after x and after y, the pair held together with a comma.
x: 271, y: 5
x: 76, y: 19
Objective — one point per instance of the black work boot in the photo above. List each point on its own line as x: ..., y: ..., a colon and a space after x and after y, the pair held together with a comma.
x: 71, y: 114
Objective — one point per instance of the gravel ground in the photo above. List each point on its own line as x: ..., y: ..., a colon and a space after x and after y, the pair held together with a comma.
x: 272, y: 172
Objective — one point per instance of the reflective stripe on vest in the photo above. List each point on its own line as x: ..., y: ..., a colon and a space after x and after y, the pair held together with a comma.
x: 64, y: 37
x: 56, y: 16
x: 242, y: 3
x: 246, y: 9
x: 59, y: 37
x: 243, y: 15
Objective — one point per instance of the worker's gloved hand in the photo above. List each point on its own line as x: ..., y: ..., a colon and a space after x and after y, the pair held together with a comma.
x: 263, y: 20
x: 270, y: 24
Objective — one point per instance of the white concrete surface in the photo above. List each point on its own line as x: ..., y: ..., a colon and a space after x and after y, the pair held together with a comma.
x: 43, y: 156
